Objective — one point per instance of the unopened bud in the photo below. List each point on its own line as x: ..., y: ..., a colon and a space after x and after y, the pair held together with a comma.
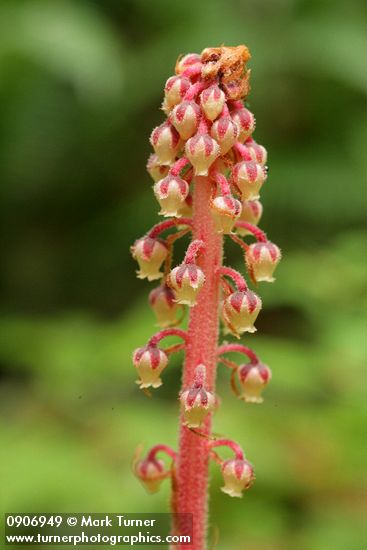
x: 257, y: 152
x: 186, y: 61
x: 251, y: 213
x: 150, y: 254
x: 175, y: 90
x: 262, y: 259
x: 185, y: 118
x: 149, y: 362
x: 171, y: 193
x: 162, y: 301
x: 155, y: 169
x: 166, y: 142
x: 249, y: 178
x: 212, y: 101
x: 238, y: 475
x: 253, y: 378
x: 225, y: 211
x: 202, y: 151
x: 240, y: 311
x: 225, y: 133
x: 151, y: 472
x: 245, y: 122
x: 186, y: 281
x: 196, y: 401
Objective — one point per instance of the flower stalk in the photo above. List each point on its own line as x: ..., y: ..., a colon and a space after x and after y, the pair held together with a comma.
x: 208, y: 173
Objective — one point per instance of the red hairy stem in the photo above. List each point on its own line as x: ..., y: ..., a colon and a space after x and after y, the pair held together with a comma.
x: 235, y: 275
x: 240, y: 149
x: 161, y: 448
x: 193, y: 456
x: 227, y: 348
x: 193, y: 250
x: 228, y: 443
x: 260, y: 235
x: 222, y: 182
x: 154, y: 340
x: 239, y: 241
x: 195, y: 89
x: 160, y: 227
x: 178, y: 166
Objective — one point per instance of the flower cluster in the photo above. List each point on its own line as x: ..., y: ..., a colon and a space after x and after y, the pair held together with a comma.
x: 207, y: 133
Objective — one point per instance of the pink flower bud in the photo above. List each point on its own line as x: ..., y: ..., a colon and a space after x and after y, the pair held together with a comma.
x: 171, y: 193
x: 245, y: 122
x: 150, y: 254
x: 196, y: 401
x: 262, y: 259
x: 225, y: 133
x: 225, y: 211
x: 256, y: 152
x: 151, y: 473
x: 238, y: 475
x: 186, y: 280
x: 175, y: 90
x: 202, y: 151
x: 149, y: 362
x: 249, y: 178
x: 162, y: 301
x: 251, y: 213
x: 187, y: 61
x: 253, y: 378
x: 166, y: 142
x: 240, y: 311
x: 185, y: 118
x: 212, y: 101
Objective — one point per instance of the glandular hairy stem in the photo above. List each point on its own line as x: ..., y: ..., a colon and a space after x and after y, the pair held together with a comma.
x: 193, y: 455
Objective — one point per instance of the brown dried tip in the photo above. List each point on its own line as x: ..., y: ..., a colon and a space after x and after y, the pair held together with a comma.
x: 228, y: 64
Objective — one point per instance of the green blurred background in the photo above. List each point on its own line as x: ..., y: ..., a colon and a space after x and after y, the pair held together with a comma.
x: 80, y: 89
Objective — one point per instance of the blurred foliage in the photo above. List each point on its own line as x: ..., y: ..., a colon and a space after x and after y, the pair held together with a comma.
x: 80, y: 88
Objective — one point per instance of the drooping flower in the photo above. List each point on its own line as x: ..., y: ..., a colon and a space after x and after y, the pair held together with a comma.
x: 212, y: 101
x: 256, y: 151
x: 162, y: 301
x: 185, y: 118
x: 186, y: 281
x: 202, y: 150
x: 225, y: 133
x: 262, y: 258
x: 175, y: 90
x: 238, y: 475
x: 150, y: 254
x: 253, y: 377
x: 186, y: 61
x: 151, y: 472
x: 196, y: 401
x: 166, y: 142
x: 249, y: 178
x: 245, y: 122
x: 155, y: 169
x: 251, y: 213
x: 171, y: 193
x: 225, y: 211
x: 240, y: 310
x: 149, y: 362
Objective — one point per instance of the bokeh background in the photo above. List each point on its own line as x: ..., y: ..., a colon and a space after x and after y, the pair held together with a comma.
x: 80, y: 89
